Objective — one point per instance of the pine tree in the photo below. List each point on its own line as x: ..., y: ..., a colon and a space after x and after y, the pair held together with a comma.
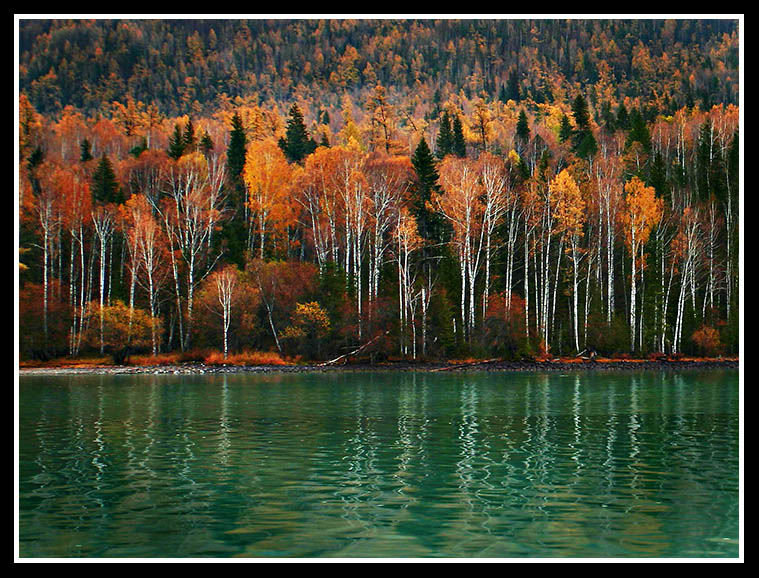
x: 105, y: 186
x: 444, y: 137
x: 512, y: 86
x: 583, y: 142
x: 523, y: 127
x: 296, y: 144
x: 188, y: 138
x: 137, y: 150
x: 502, y: 96
x: 428, y: 222
x: 176, y: 143
x: 580, y: 113
x: 233, y: 230
x: 85, y: 149
x: 565, y: 130
x: 459, y: 144
x: 236, y: 149
x: 206, y: 144
x: 623, y: 118
x: 638, y: 131
x: 586, y: 145
x: 607, y: 117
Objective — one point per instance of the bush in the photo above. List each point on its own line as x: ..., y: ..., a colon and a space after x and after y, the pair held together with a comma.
x: 123, y: 331
x: 706, y: 340
x: 246, y: 358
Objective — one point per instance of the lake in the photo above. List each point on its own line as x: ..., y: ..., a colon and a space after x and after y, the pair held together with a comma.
x: 381, y: 464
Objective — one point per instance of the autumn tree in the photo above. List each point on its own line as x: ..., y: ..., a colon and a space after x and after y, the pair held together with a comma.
x: 460, y: 203
x: 388, y: 179
x: 267, y: 176
x: 224, y: 283
x: 570, y: 211
x: 146, y: 240
x: 123, y: 329
x: 189, y: 211
x: 310, y: 324
x: 642, y: 211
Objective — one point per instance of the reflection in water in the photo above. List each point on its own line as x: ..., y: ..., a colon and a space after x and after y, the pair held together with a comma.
x: 384, y: 464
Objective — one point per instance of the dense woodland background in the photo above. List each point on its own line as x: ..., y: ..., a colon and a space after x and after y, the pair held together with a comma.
x: 418, y: 189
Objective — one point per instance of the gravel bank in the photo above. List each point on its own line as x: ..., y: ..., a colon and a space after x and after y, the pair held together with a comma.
x: 535, y: 366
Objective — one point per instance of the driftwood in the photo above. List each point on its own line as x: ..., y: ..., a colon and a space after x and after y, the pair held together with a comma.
x: 591, y: 356
x: 344, y: 357
x: 467, y: 364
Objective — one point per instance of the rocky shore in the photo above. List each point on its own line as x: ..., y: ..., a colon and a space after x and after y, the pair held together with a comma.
x: 479, y: 366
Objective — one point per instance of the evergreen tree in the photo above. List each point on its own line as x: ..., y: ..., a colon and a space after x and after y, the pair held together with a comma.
x: 658, y: 178
x: 459, y: 144
x: 188, y: 138
x: 565, y: 130
x: 444, y: 137
x: 638, y: 131
x: 176, y: 143
x: 502, y: 96
x: 105, y: 186
x: 35, y: 158
x: 233, y: 231
x: 428, y: 222
x: 206, y: 144
x: 581, y: 113
x: 137, y: 150
x: 587, y: 145
x: 607, y: 117
x: 296, y: 144
x: 512, y: 86
x: 583, y: 141
x: 85, y: 149
x: 236, y: 149
x: 623, y: 118
x: 523, y: 127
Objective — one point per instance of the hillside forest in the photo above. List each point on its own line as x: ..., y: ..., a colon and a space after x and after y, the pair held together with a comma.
x: 413, y: 189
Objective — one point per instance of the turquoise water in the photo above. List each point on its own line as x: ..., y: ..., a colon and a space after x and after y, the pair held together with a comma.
x: 380, y: 464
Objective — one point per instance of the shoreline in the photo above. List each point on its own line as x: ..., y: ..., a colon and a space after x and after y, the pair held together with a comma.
x: 424, y: 367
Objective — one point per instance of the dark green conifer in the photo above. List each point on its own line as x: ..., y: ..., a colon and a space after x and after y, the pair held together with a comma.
x: 445, y: 137
x: 512, y: 86
x: 638, y: 131
x: 105, y: 186
x: 523, y: 127
x: 428, y: 222
x: 85, y: 151
x: 206, y: 144
x: 580, y: 113
x: 296, y: 144
x: 565, y: 130
x: 176, y: 143
x: 623, y: 118
x: 459, y: 144
x: 188, y: 138
x: 137, y: 150
x: 236, y: 149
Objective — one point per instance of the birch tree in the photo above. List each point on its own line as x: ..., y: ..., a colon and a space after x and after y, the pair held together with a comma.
x: 642, y: 212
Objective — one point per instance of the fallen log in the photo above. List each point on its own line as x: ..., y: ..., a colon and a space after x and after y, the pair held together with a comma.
x: 344, y: 357
x: 467, y: 364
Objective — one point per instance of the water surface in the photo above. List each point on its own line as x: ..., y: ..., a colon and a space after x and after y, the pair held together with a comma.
x: 385, y: 464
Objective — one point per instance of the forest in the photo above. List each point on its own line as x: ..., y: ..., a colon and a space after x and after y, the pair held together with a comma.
x: 411, y: 189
